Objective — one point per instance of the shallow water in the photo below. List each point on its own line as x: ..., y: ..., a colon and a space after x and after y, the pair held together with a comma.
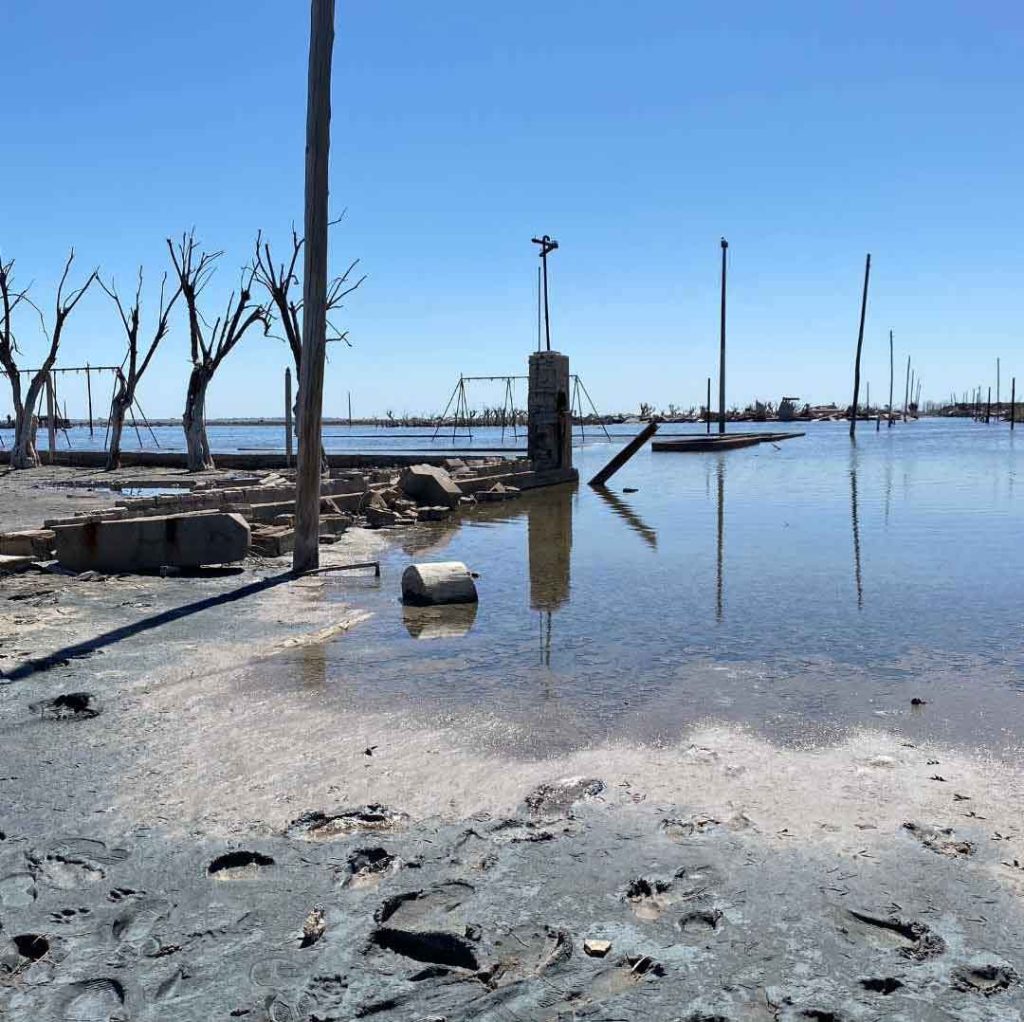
x: 801, y: 588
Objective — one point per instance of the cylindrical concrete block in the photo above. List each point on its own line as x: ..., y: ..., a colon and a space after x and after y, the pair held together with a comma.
x: 443, y: 582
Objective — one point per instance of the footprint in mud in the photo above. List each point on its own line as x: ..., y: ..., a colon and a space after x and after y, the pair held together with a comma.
x: 941, y: 840
x: 95, y: 1000
x: 435, y: 904
x: 139, y: 921
x: 428, y: 926
x: 607, y: 984
x: 366, y: 867
x: 986, y: 978
x: 239, y: 865
x: 700, y: 923
x: 648, y: 899
x: 435, y: 947
x: 908, y: 938
x: 556, y: 798
x: 69, y: 706
x: 90, y: 849
x: 319, y: 826
x: 69, y: 915
x: 17, y: 890
x: 526, y: 952
x: 117, y: 894
x: 515, y: 832
x: 884, y: 985
x: 64, y: 872
x: 474, y: 850
x: 702, y: 825
x: 31, y: 946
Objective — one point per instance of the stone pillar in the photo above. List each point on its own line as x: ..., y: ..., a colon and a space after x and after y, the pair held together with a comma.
x: 549, y: 417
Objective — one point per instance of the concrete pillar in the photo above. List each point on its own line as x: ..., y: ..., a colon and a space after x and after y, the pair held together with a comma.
x: 549, y: 417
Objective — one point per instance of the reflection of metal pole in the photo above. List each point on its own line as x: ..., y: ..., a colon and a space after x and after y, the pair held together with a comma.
x: 721, y: 538
x: 721, y: 350
x: 546, y: 245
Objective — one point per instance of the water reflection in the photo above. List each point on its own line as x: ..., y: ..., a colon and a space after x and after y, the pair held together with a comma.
x: 549, y: 528
x: 855, y: 522
x: 628, y: 515
x: 720, y: 546
x: 451, y: 622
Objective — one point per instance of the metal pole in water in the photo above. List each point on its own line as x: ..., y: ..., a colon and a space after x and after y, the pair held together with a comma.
x: 860, y: 345
x: 721, y: 349
x: 88, y: 392
x: 547, y: 244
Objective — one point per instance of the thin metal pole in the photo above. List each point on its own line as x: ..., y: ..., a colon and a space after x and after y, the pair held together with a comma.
x: 539, y: 313
x: 1013, y: 400
x: 721, y: 348
x: 860, y: 345
x: 306, y: 555
x: 906, y: 392
x: 891, y: 367
x: 707, y: 409
x: 997, y: 386
x: 988, y: 407
x: 88, y: 391
x: 288, y: 417
x: 547, y: 314
x: 350, y: 409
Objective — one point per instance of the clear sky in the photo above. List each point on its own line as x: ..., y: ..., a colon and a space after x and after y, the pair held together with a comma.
x: 635, y: 133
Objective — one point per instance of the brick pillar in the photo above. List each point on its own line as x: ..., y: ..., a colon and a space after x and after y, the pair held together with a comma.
x: 549, y: 417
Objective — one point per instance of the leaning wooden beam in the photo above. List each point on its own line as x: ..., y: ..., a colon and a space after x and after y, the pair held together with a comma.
x: 625, y: 454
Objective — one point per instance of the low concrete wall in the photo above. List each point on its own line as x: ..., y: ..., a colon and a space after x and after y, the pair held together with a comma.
x: 169, y: 459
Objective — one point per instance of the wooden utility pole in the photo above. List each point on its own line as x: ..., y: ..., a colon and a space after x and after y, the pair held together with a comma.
x: 288, y: 417
x: 906, y: 393
x: 997, y: 386
x: 707, y: 410
x: 721, y: 350
x: 860, y: 345
x: 988, y: 407
x: 891, y: 368
x: 306, y: 555
x: 1013, y: 400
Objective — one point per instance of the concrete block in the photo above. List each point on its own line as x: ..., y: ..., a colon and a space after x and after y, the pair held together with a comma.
x: 273, y: 541
x: 147, y: 544
x: 12, y: 563
x: 442, y: 582
x: 28, y: 543
x: 427, y: 484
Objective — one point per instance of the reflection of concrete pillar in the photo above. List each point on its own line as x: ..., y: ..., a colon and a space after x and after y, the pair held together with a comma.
x: 549, y: 431
x: 549, y: 522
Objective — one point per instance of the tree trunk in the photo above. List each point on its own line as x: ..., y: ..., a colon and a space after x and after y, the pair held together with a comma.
x: 194, y: 421
x: 118, y: 409
x: 23, y: 452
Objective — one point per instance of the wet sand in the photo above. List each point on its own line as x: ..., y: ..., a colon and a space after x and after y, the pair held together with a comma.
x: 151, y: 865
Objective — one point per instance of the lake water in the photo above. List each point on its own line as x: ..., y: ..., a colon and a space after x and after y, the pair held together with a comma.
x: 802, y: 588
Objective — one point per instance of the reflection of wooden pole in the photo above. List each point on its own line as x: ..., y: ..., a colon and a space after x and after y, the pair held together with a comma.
x: 288, y: 417
x: 860, y: 345
x: 721, y: 350
x: 720, y: 546
x: 625, y: 454
x: 51, y: 429
x: 306, y: 555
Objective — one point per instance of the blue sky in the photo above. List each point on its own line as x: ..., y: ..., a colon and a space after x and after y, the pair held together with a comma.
x: 636, y: 134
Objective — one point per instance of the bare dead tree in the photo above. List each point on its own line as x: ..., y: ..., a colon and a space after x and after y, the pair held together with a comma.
x: 278, y: 279
x: 127, y: 382
x: 209, y: 346
x: 23, y: 450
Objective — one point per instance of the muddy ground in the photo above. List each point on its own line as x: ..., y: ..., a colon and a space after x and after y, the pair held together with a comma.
x: 186, y: 832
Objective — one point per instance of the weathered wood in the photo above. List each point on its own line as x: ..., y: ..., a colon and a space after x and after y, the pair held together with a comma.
x: 288, y: 417
x: 891, y: 369
x: 707, y: 409
x: 906, y: 393
x: 625, y: 454
x: 314, y: 309
x: 443, y: 582
x: 860, y: 345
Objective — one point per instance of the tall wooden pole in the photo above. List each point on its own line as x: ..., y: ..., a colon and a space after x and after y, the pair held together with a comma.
x: 1013, y: 400
x: 891, y: 369
x: 988, y: 407
x: 906, y: 393
x: 721, y: 349
x: 288, y: 417
x: 997, y: 386
x: 306, y: 555
x: 860, y: 345
x: 707, y: 410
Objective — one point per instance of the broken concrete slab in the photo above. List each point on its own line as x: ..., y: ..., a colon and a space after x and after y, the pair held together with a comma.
x: 427, y: 484
x: 36, y: 543
x: 273, y: 541
x: 147, y: 544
